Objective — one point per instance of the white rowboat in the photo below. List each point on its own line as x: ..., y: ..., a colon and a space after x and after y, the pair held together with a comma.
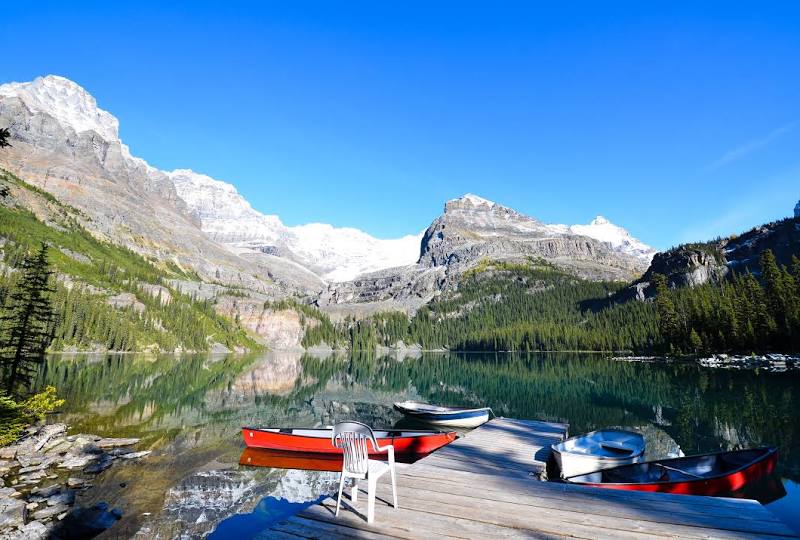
x: 444, y: 416
x: 598, y: 450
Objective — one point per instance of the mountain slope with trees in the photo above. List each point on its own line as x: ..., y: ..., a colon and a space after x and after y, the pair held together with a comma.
x: 104, y: 296
x: 501, y: 306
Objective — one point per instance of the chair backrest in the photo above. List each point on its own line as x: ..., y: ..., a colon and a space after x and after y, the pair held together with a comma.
x: 352, y: 438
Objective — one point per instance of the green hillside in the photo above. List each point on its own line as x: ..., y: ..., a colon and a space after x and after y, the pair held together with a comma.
x: 537, y: 307
x: 107, y: 297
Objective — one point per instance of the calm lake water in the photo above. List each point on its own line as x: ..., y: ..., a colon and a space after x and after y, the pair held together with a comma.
x: 189, y: 410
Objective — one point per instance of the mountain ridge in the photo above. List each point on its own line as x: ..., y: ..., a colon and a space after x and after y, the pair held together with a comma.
x: 245, y: 262
x: 331, y: 253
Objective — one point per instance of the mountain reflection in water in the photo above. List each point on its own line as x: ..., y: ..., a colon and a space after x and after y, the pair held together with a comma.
x: 190, y: 409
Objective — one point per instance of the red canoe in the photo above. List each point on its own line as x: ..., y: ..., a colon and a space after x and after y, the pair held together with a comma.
x: 706, y: 474
x: 318, y: 441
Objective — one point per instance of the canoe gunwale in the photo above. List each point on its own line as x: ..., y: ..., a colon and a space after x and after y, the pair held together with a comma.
x: 403, y: 433
x: 319, y: 442
x: 766, y: 453
x: 450, y: 410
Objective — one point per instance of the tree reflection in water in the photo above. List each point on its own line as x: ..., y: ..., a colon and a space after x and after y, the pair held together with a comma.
x: 190, y: 408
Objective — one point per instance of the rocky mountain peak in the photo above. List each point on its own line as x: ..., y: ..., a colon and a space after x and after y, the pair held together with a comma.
x: 67, y: 102
x: 468, y: 201
x: 472, y: 211
x: 472, y: 228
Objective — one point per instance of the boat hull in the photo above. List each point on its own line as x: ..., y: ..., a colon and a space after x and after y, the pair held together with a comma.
x: 319, y: 441
x: 445, y: 416
x: 572, y: 465
x: 584, y: 454
x: 722, y: 483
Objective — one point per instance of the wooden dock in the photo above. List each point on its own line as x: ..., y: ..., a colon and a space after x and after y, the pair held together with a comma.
x: 484, y: 485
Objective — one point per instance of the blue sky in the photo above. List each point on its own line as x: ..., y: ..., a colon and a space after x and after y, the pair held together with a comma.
x: 675, y: 121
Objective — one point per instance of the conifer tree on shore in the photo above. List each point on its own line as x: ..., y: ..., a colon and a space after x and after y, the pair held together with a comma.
x: 27, y: 323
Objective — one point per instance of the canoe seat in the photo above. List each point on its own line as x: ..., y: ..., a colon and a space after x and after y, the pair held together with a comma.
x: 353, y: 438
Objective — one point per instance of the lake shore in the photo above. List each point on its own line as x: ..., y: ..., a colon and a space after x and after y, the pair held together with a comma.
x: 45, y: 472
x: 772, y: 362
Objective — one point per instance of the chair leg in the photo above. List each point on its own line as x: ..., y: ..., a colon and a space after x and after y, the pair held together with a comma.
x: 339, y: 498
x: 394, y: 487
x: 372, y: 488
x: 354, y: 491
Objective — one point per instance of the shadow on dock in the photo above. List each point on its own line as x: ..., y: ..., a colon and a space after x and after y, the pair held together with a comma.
x: 484, y: 486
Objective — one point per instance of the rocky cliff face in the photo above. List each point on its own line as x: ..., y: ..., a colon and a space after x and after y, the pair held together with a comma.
x: 278, y: 329
x: 694, y: 264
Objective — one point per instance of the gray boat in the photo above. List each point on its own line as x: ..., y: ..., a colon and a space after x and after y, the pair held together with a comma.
x: 598, y: 450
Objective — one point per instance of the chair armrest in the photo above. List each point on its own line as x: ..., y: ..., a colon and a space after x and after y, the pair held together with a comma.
x: 389, y: 449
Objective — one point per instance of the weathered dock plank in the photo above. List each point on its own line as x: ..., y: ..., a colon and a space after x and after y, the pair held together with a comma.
x: 484, y: 485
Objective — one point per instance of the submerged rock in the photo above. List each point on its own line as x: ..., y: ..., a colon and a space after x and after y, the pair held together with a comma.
x: 75, y: 482
x: 113, y: 443
x: 101, y: 464
x: 34, y: 458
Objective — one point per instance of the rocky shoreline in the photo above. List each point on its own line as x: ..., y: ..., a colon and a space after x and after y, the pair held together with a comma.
x: 773, y: 363
x: 43, y: 473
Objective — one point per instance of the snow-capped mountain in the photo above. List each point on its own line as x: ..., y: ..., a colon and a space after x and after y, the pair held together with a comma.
x: 70, y: 146
x: 486, y: 219
x: 65, y: 101
x: 334, y: 253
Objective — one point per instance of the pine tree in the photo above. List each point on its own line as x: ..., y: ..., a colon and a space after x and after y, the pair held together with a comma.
x: 668, y: 321
x: 796, y: 270
x: 27, y: 323
x: 694, y: 341
x: 4, y: 136
x: 776, y: 289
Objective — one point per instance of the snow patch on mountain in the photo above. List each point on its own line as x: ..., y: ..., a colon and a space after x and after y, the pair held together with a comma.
x: 65, y: 101
x: 603, y: 230
x: 476, y: 201
x: 334, y: 253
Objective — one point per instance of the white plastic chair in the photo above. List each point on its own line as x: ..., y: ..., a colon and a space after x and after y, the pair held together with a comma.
x: 352, y: 438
